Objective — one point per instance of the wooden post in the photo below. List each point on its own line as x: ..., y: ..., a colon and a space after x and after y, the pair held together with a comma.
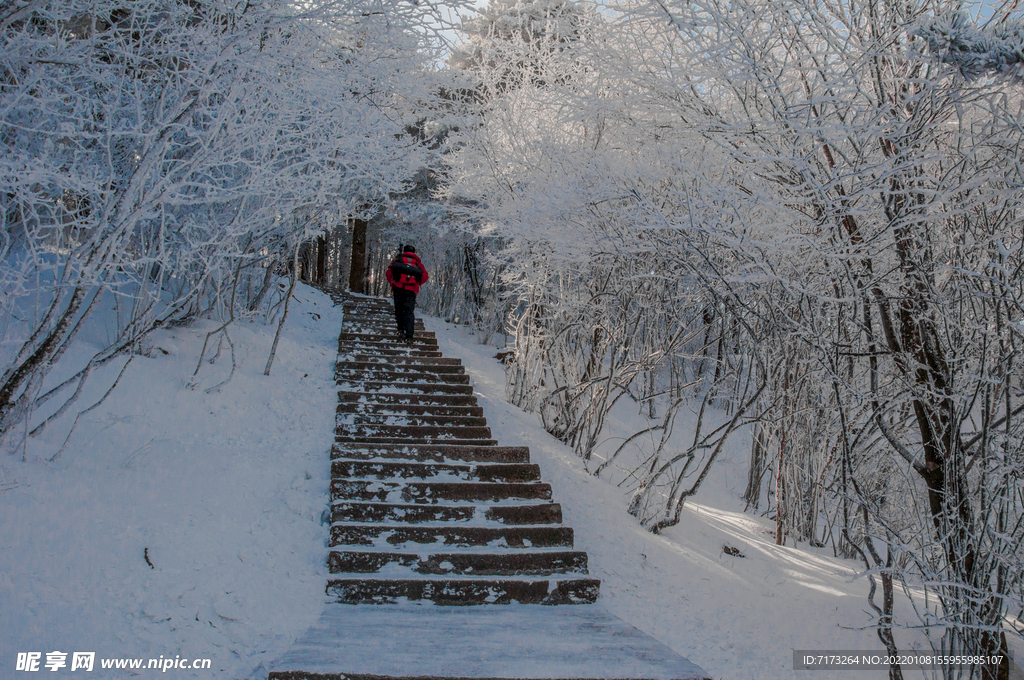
x: 357, y: 275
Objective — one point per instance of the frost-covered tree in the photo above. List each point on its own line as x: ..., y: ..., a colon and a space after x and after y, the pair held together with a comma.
x: 975, y: 52
x: 794, y: 214
x: 168, y: 153
x: 508, y: 43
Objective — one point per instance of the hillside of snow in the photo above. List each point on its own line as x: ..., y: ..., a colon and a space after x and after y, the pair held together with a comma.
x: 185, y: 522
x: 222, y: 491
x: 735, y: 617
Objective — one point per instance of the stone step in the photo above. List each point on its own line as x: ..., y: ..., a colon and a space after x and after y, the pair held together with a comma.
x: 383, y: 375
x: 517, y: 563
x: 436, y: 492
x: 388, y: 331
x: 395, y: 366
x: 370, y: 305
x: 371, y: 343
x: 409, y: 410
x: 344, y: 439
x: 357, y: 313
x: 381, y: 334
x: 376, y: 323
x: 529, y: 514
x: 387, y: 399
x: 355, y: 317
x: 371, y: 302
x: 398, y: 349
x: 465, y: 590
x: 424, y: 453
x: 361, y: 314
x: 490, y: 473
x: 385, y: 337
x: 431, y: 389
x: 410, y: 536
x: 412, y: 432
x: 355, y: 322
x: 400, y: 360
x: 356, y: 419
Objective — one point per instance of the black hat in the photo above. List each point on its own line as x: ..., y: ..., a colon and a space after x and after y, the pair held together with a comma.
x: 408, y: 249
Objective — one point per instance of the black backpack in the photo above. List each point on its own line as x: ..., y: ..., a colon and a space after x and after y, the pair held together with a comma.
x: 400, y: 268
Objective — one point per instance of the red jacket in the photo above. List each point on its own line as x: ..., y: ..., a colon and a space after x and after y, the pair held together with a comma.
x: 405, y: 281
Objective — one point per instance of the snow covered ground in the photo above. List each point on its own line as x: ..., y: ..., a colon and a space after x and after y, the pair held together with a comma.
x: 181, y: 523
x: 734, y: 617
x: 222, y: 491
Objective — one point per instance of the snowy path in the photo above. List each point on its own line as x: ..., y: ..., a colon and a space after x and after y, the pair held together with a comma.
x: 428, y: 511
x: 495, y: 641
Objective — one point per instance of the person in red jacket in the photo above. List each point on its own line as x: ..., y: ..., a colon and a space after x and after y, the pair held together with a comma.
x: 406, y: 274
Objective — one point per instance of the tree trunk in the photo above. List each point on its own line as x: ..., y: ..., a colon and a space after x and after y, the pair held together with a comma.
x: 755, y: 472
x: 357, y: 274
x: 321, y: 261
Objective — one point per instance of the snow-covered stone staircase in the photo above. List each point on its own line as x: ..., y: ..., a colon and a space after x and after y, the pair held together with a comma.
x: 427, y: 509
x: 425, y: 504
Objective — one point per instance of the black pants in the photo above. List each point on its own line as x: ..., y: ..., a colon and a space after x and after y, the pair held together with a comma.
x: 405, y: 304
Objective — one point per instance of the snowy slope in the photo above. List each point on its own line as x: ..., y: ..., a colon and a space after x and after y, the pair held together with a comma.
x: 224, y: 491
x: 735, y: 617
